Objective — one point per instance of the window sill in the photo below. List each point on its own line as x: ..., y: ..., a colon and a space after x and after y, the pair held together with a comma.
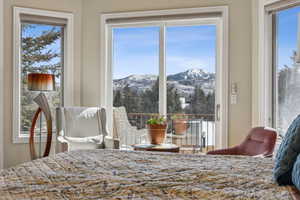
x: 24, y: 138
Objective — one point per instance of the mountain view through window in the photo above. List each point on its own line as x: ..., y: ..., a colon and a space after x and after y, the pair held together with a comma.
x: 190, y: 69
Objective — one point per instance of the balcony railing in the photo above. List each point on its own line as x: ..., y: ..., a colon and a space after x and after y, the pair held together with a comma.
x: 191, y: 132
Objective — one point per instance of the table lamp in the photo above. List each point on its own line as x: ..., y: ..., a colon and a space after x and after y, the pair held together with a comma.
x: 43, y: 83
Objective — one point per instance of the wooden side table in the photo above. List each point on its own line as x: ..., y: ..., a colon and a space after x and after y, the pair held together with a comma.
x: 171, y: 148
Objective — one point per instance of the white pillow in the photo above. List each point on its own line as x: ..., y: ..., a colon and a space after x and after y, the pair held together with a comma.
x: 82, y: 122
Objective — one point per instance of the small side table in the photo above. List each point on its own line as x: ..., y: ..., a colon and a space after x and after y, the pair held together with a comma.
x: 171, y: 148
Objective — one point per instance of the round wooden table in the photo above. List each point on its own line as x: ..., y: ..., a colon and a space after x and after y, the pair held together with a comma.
x: 172, y: 148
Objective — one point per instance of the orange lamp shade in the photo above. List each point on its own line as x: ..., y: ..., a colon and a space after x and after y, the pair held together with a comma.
x: 40, y: 82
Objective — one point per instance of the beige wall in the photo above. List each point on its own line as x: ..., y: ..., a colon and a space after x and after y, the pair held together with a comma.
x: 17, y: 153
x: 87, y: 72
x: 239, y: 61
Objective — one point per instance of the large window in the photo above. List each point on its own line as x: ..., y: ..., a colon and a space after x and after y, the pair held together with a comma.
x: 286, y: 68
x: 43, y: 42
x: 42, y: 52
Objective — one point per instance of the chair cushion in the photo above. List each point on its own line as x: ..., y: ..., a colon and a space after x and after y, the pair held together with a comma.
x: 94, y: 139
x: 287, y: 154
x: 82, y: 122
x: 296, y: 173
x: 76, y: 143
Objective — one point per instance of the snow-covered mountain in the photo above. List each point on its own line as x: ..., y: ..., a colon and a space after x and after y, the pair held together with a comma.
x: 138, y: 83
x: 192, y: 75
x: 185, y: 82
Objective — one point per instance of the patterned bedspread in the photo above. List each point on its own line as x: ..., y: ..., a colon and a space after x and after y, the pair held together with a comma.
x: 112, y: 174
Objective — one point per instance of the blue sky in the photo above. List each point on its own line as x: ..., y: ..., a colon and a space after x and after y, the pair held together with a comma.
x: 136, y: 50
x: 287, y: 35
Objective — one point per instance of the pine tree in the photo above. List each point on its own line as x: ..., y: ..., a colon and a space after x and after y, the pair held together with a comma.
x: 198, y: 103
x: 210, y: 99
x: 173, y: 100
x: 177, y: 102
x: 35, y: 51
x: 150, y: 99
x: 118, y: 100
x: 130, y: 100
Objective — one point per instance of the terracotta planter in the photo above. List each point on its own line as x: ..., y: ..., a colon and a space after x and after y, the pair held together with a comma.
x: 180, y: 126
x: 157, y: 133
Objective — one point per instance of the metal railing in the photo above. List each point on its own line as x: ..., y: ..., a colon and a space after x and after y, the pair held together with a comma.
x: 191, y: 132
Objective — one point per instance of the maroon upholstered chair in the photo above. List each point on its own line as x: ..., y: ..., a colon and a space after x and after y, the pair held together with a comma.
x: 260, y: 141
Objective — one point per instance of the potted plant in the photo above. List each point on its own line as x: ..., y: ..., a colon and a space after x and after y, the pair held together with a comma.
x: 157, y: 130
x: 180, y: 124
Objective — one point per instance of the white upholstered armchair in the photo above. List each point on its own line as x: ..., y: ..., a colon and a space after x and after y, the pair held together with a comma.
x: 82, y: 128
x: 125, y: 132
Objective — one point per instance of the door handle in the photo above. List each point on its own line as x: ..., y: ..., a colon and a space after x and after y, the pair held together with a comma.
x: 218, y: 107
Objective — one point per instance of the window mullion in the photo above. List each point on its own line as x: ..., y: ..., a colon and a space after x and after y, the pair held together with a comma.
x: 162, y: 71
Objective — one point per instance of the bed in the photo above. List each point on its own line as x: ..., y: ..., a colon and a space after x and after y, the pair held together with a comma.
x: 113, y: 174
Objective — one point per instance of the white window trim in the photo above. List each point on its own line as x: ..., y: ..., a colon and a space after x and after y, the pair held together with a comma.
x: 68, y: 63
x: 1, y: 83
x: 222, y: 53
x: 264, y: 94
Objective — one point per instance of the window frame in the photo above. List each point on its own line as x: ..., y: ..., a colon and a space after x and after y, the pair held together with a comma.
x: 68, y: 68
x: 221, y: 22
x: 266, y: 108
x: 1, y: 83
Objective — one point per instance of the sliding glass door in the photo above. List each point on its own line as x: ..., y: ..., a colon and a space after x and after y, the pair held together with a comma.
x: 170, y: 69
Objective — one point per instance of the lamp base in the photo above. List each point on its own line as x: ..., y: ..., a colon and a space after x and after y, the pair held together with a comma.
x: 42, y: 102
